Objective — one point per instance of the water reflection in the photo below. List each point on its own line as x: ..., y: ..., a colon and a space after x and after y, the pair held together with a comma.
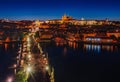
x: 108, y: 48
x: 13, y: 45
x: 70, y: 44
x: 73, y: 44
x: 65, y: 51
x: 6, y: 47
x: 59, y: 44
x: 98, y: 48
x: 89, y: 47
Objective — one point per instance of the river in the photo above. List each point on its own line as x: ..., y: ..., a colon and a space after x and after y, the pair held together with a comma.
x: 72, y: 62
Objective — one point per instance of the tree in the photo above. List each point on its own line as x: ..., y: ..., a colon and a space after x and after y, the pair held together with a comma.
x: 37, y: 34
x: 21, y: 76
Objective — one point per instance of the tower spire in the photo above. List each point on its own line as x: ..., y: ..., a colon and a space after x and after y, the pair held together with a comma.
x: 65, y: 14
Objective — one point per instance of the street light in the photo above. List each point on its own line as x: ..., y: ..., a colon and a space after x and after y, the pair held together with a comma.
x: 28, y: 45
x: 14, y: 65
x: 28, y: 69
x: 9, y: 79
x: 28, y: 39
x: 29, y: 56
x: 47, y: 68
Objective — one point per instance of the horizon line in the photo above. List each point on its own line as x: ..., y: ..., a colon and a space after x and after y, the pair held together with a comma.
x: 59, y: 18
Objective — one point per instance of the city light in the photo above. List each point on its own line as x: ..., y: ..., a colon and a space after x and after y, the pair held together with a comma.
x: 28, y: 45
x: 9, y: 79
x: 15, y: 65
x: 28, y: 39
x: 47, y: 68
x: 28, y: 69
x: 29, y: 56
x: 68, y: 41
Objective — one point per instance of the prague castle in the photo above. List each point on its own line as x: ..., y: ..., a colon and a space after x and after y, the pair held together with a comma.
x: 66, y: 18
x: 70, y: 20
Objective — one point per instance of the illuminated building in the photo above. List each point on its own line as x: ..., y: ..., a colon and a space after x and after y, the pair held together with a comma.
x: 69, y: 19
x: 65, y: 20
x: 98, y: 39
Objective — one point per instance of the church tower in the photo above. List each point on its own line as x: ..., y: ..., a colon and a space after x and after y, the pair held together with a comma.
x: 66, y: 18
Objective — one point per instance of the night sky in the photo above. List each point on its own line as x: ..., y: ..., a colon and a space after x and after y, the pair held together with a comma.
x: 54, y: 9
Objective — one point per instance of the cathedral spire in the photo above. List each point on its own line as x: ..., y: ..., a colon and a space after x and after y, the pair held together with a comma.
x: 65, y: 15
